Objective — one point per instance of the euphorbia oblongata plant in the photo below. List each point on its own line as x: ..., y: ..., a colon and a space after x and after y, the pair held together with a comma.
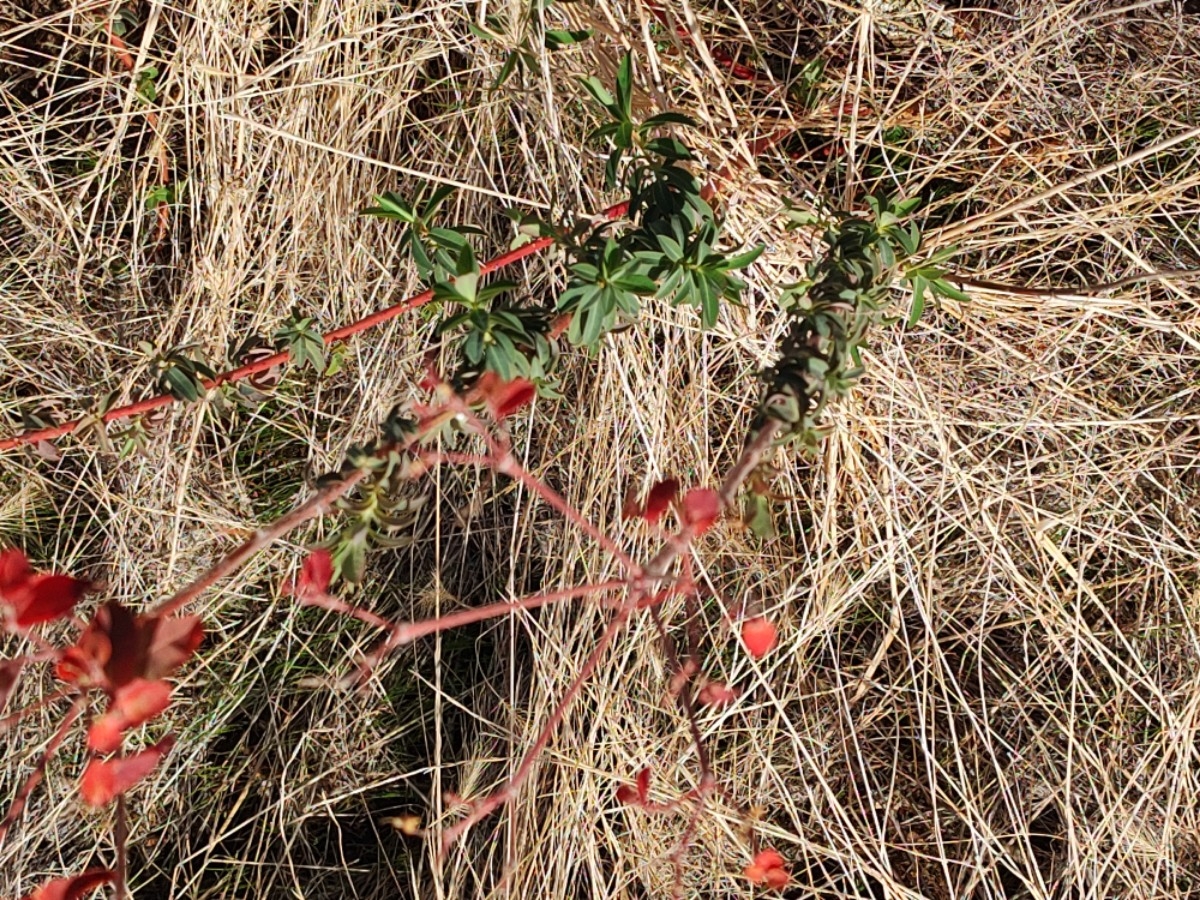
x: 664, y: 242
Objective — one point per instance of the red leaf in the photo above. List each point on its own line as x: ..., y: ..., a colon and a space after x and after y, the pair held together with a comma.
x: 659, y: 499
x: 636, y: 795
x: 759, y: 636
x: 315, y: 575
x: 172, y: 642
x: 701, y: 507
x: 627, y: 794
x: 75, y: 887
x: 118, y: 647
x: 717, y: 693
x: 504, y: 398
x: 103, y: 780
x: 768, y: 868
x: 132, y: 705
x: 34, y: 599
x: 14, y: 570
x: 49, y: 597
x: 643, y: 784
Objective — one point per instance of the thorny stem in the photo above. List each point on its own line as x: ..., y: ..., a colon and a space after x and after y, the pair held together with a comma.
x: 262, y: 365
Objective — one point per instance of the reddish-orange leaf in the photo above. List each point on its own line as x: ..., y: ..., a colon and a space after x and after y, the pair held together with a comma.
x: 34, y: 599
x: 132, y: 705
x: 627, y: 794
x: 759, y: 636
x: 504, y: 398
x: 103, y: 780
x: 701, y: 507
x: 172, y: 642
x: 14, y: 569
x: 49, y: 597
x: 75, y: 887
x: 660, y: 498
x: 768, y: 868
x: 315, y: 574
x: 118, y: 647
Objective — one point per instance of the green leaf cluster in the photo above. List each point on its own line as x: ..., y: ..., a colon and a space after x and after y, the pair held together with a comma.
x: 178, y: 374
x: 833, y: 309
x: 304, y: 343
x: 434, y: 249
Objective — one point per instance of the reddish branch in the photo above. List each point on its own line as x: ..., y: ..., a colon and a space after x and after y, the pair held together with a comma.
x: 262, y: 365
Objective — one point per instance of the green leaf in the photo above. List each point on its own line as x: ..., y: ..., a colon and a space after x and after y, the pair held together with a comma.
x: 918, y: 302
x: 758, y: 517
x: 390, y: 206
x: 668, y: 118
x: 510, y: 65
x: 669, y: 148
x: 743, y: 259
x: 482, y: 33
x: 181, y: 386
x: 625, y: 87
x: 946, y: 289
x: 556, y: 39
x: 600, y: 93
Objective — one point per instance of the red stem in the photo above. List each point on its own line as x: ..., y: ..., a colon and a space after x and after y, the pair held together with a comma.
x: 493, y: 801
x: 262, y: 365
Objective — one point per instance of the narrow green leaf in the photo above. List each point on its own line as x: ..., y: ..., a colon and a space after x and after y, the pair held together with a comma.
x: 625, y: 88
x: 918, y: 302
x: 600, y: 93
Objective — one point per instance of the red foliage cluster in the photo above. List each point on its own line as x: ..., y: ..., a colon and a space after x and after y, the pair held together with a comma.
x: 74, y: 887
x: 769, y: 869
x: 124, y: 655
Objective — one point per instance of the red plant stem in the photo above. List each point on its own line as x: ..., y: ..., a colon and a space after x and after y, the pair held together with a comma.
x: 407, y: 632
x: 262, y: 365
x: 35, y: 778
x: 121, y: 839
x: 508, y: 465
x: 493, y: 801
x: 317, y: 505
x: 759, y: 444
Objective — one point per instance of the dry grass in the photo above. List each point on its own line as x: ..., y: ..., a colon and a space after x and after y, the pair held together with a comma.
x: 990, y: 683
